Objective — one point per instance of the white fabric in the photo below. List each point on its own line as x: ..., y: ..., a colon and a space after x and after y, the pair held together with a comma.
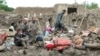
x: 71, y: 31
x: 48, y: 42
x: 53, y: 29
x: 11, y: 27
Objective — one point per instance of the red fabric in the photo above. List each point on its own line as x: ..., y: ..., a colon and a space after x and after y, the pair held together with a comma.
x: 61, y: 47
x: 50, y: 46
x: 62, y: 43
x: 3, y: 37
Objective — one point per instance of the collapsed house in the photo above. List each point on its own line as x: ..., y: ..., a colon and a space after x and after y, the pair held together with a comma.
x: 74, y: 17
x: 50, y: 12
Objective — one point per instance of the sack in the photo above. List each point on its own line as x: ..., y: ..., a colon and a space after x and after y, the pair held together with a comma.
x: 96, y: 30
x: 50, y: 46
x: 92, y: 28
x: 61, y: 47
x: 78, y: 41
x: 62, y: 43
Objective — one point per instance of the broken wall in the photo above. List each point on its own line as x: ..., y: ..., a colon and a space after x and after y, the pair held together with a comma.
x: 33, y: 11
x: 60, y: 7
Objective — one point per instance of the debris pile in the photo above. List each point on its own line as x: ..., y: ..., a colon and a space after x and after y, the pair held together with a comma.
x: 80, y: 36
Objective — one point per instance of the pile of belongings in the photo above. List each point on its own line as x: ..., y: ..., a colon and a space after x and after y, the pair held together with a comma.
x: 3, y: 37
x: 78, y: 41
x: 92, y: 35
x: 58, y: 43
x: 62, y: 43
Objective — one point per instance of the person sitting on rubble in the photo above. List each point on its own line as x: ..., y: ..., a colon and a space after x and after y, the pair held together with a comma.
x: 58, y: 24
x: 33, y: 28
x: 13, y: 26
x: 20, y: 39
x: 24, y: 27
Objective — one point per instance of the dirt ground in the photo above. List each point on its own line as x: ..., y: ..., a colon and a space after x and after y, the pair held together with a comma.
x: 33, y: 51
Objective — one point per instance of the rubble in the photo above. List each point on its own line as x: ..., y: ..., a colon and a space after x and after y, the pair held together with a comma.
x: 7, y: 19
x: 76, y: 24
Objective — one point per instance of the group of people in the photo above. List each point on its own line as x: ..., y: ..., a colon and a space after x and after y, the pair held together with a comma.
x: 28, y: 33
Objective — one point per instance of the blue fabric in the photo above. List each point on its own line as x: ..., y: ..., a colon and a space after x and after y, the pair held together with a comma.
x: 59, y: 17
x: 39, y: 37
x: 58, y: 23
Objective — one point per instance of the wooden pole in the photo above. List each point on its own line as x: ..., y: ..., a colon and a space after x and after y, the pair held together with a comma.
x: 83, y: 15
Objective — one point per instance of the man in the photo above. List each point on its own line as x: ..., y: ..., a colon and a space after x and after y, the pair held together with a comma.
x: 58, y: 24
x: 33, y: 30
x: 14, y: 24
x: 25, y: 27
x: 21, y: 39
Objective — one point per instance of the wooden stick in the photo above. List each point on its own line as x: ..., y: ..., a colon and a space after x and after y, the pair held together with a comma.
x: 81, y: 22
x: 76, y: 22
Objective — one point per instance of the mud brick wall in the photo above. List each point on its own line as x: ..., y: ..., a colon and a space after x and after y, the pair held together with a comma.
x: 48, y: 10
x: 60, y: 7
x: 33, y: 10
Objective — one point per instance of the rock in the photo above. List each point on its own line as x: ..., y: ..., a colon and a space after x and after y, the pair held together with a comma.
x: 78, y: 52
x: 2, y: 47
x: 15, y: 52
x: 20, y: 51
x: 92, y: 45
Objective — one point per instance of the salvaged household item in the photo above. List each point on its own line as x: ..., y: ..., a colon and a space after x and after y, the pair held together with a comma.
x: 62, y: 43
x: 3, y: 37
x: 78, y: 41
x: 97, y: 30
x: 49, y: 45
x: 85, y: 33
